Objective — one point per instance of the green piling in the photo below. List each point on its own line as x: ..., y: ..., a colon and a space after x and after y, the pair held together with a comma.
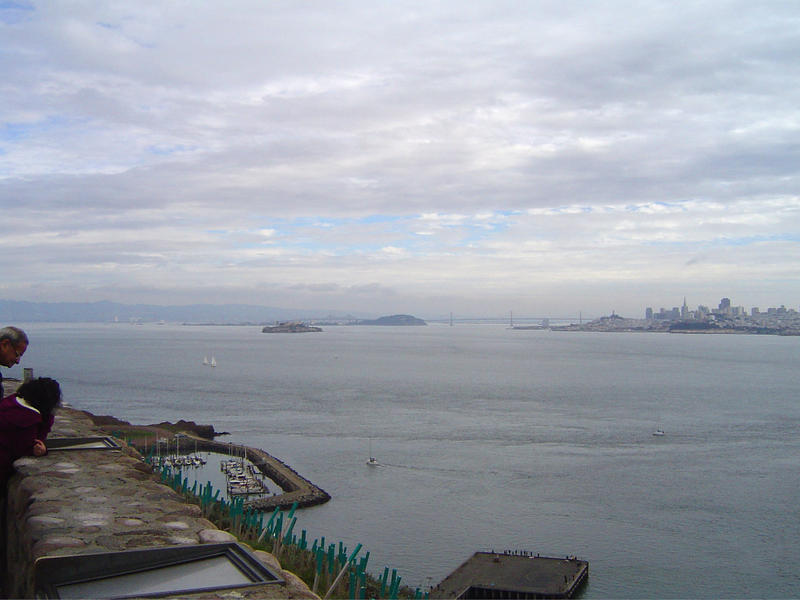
x: 353, y: 583
x: 289, y: 531
x: 384, y: 579
x: 395, y: 587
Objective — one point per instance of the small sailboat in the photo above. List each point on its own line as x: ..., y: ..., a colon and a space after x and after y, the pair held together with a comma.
x: 213, y: 362
x: 658, y: 432
x: 206, y: 361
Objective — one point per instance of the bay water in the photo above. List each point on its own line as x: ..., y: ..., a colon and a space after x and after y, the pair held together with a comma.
x: 492, y: 438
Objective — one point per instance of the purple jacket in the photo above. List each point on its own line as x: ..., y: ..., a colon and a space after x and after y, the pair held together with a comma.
x: 20, y: 426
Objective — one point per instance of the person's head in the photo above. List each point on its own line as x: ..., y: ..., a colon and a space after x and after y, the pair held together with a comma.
x: 13, y: 343
x: 42, y: 393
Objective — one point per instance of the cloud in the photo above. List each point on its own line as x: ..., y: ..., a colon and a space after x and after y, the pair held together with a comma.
x: 439, y: 155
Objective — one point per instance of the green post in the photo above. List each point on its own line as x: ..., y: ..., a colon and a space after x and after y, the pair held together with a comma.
x: 331, y: 558
x: 394, y: 589
x: 353, y: 583
x: 342, y: 572
x: 288, y: 535
x: 320, y: 555
x: 384, y: 579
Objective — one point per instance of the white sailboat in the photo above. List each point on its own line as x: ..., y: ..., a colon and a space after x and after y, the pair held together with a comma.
x: 205, y: 361
x: 213, y: 362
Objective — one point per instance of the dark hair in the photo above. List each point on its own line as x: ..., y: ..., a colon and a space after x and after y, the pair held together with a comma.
x: 42, y: 393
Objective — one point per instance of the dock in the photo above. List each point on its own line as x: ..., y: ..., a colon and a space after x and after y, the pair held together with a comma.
x: 243, y: 481
x: 489, y: 575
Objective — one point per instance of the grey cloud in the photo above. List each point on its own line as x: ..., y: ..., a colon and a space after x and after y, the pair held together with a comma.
x: 316, y: 287
x: 127, y: 117
x: 372, y: 289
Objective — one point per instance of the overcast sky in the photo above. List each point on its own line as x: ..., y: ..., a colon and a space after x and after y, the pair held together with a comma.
x: 420, y: 157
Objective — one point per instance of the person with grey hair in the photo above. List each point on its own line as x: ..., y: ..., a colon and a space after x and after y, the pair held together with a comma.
x: 13, y: 343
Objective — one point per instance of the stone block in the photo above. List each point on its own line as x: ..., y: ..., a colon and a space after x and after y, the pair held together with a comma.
x: 215, y: 536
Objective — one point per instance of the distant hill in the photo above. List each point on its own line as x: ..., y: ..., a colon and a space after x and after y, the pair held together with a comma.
x: 13, y: 311
x: 392, y: 320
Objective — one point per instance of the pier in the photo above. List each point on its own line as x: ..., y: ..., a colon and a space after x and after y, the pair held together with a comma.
x: 514, y: 575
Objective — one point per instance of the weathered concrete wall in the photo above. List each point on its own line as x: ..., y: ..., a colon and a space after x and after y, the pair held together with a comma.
x: 88, y: 501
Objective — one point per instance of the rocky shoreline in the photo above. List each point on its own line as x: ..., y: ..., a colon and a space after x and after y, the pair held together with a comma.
x: 201, y: 431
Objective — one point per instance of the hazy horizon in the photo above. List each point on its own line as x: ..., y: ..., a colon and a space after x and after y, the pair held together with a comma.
x: 547, y: 158
x: 14, y: 311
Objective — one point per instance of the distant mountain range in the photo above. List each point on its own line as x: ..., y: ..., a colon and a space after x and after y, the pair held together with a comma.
x: 14, y: 311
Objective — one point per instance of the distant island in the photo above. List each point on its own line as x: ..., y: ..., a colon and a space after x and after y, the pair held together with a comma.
x: 392, y: 320
x: 290, y: 327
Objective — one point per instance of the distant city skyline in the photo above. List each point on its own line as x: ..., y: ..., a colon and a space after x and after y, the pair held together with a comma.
x: 724, y: 307
x: 551, y: 158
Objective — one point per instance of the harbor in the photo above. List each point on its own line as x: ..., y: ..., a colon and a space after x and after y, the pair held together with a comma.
x: 233, y: 476
x: 247, y: 471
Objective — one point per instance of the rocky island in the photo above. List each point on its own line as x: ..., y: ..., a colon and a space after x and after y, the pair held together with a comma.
x: 290, y: 327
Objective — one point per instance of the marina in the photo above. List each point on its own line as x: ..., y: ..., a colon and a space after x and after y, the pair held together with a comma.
x: 236, y: 470
x: 243, y: 480
x: 176, y: 459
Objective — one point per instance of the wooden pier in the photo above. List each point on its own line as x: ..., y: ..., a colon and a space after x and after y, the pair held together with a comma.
x: 490, y: 575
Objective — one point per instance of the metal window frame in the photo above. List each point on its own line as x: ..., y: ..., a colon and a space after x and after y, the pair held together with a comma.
x: 52, y: 572
x: 73, y: 443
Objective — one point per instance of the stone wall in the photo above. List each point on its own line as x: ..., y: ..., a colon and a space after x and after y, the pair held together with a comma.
x: 88, y: 501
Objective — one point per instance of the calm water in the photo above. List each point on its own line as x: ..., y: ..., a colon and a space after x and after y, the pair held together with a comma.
x: 493, y: 438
